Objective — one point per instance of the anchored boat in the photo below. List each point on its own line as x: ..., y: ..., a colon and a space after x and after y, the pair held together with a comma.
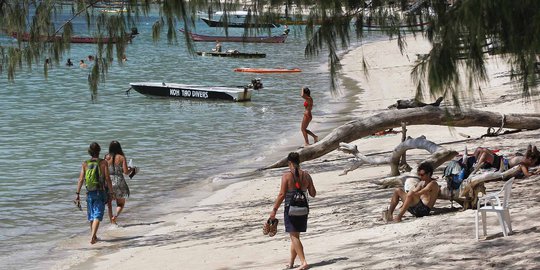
x: 268, y: 70
x: 246, y: 39
x: 175, y: 90
x: 235, y: 19
x: 234, y: 54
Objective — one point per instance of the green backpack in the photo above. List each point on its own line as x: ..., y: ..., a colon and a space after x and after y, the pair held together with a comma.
x: 92, y: 175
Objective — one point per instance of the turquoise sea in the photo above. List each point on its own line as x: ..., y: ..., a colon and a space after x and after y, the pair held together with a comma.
x: 46, y: 125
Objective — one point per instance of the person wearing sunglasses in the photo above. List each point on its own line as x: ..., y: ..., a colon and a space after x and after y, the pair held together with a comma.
x: 420, y: 200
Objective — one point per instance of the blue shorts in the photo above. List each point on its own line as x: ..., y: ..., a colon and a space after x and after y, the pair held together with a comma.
x: 95, y: 204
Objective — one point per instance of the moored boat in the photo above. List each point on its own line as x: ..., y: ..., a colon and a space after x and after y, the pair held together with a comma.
x: 235, y: 19
x: 262, y: 39
x: 233, y: 54
x: 268, y: 70
x: 175, y: 90
x: 74, y: 39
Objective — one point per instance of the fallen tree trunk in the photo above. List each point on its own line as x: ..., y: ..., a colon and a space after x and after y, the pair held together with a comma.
x: 439, y: 154
x: 428, y: 115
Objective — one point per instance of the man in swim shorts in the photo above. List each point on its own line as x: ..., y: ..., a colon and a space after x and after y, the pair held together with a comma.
x: 420, y: 200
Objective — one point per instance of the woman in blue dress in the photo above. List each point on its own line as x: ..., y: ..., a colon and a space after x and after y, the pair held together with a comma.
x: 291, y: 180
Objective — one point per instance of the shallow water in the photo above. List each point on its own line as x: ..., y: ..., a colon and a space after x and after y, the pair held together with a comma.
x: 46, y: 126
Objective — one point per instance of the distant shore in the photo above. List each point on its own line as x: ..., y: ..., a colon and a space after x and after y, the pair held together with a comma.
x: 224, y: 231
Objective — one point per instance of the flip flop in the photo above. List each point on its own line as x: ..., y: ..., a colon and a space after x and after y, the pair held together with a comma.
x: 78, y: 204
x: 266, y: 227
x: 273, y: 227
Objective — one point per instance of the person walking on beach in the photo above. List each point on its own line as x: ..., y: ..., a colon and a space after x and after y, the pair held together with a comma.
x: 308, y: 105
x: 95, y: 174
x: 420, y: 200
x: 291, y: 180
x: 117, y: 165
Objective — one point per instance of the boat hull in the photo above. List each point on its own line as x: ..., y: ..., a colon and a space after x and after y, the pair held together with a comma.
x: 233, y: 54
x: 268, y: 70
x: 171, y: 90
x: 263, y: 39
x: 214, y: 23
x: 74, y: 39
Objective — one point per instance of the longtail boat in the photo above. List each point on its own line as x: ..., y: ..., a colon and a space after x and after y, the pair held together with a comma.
x: 233, y: 54
x: 73, y: 39
x: 262, y: 39
x: 268, y: 70
x: 234, y: 19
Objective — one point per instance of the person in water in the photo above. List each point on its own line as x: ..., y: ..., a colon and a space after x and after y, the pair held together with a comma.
x: 95, y: 199
x: 82, y: 64
x: 308, y: 105
x: 117, y: 165
x: 294, y: 225
x: 286, y: 30
x: 69, y: 63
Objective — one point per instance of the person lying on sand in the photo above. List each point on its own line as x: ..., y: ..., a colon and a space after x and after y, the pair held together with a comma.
x: 420, y: 200
x: 486, y: 158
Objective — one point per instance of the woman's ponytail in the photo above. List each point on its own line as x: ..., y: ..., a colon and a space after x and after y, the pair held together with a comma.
x: 294, y: 157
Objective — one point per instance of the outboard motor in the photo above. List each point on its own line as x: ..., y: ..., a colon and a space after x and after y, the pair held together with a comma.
x: 256, y: 84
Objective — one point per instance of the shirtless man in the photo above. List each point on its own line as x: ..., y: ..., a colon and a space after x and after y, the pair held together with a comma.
x: 419, y: 200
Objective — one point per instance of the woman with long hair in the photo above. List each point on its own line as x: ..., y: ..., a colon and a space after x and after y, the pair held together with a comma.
x: 308, y: 105
x: 295, y: 178
x: 117, y: 168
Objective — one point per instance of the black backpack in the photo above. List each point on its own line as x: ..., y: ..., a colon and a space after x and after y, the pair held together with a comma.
x: 298, y: 205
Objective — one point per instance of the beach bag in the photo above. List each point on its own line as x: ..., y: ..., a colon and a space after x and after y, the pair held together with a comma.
x: 298, y: 205
x: 454, y: 174
x: 92, y: 175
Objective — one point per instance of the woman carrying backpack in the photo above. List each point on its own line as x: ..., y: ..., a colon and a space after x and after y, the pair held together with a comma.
x: 293, y: 181
x: 117, y: 163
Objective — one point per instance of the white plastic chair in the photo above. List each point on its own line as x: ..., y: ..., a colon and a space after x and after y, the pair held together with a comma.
x: 495, y: 205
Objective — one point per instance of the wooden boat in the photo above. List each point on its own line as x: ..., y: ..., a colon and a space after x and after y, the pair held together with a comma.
x: 268, y: 70
x: 376, y: 27
x: 233, y: 54
x: 235, y: 19
x: 175, y: 90
x: 74, y: 39
x: 263, y: 39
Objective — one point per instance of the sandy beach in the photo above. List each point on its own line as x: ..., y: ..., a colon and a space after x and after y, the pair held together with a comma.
x: 345, y: 230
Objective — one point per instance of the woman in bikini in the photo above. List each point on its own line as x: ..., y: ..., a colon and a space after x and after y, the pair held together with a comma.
x: 485, y: 158
x: 294, y: 225
x: 117, y: 168
x: 308, y: 105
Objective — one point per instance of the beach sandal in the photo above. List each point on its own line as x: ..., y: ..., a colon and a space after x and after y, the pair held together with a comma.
x: 78, y: 204
x: 273, y: 227
x: 266, y: 227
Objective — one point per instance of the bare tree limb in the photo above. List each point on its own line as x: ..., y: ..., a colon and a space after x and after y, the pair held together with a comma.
x: 428, y: 115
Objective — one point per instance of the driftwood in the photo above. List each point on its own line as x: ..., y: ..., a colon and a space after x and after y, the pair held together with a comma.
x: 439, y: 154
x: 428, y: 115
x: 413, y: 103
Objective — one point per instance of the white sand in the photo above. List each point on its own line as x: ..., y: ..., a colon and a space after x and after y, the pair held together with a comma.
x: 344, y: 228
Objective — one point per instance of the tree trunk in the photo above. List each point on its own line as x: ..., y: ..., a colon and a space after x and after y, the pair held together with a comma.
x: 428, y: 115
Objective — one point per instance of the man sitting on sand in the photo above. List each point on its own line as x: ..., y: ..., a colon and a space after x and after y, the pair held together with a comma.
x: 419, y: 200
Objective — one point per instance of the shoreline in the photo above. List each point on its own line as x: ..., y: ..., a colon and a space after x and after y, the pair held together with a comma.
x: 178, y: 206
x: 224, y: 230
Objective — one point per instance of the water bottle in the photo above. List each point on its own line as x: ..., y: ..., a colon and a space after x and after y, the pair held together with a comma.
x: 130, y: 163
